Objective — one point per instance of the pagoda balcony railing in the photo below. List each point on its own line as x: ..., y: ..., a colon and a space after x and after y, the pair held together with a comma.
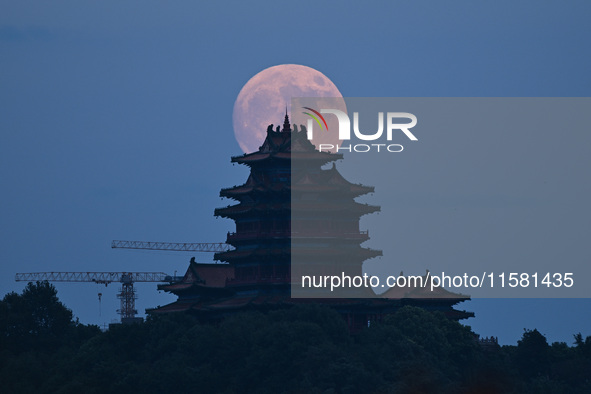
x: 299, y: 234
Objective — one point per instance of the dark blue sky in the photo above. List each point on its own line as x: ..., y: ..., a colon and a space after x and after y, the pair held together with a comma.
x: 116, y: 123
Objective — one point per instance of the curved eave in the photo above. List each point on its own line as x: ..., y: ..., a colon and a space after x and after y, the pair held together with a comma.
x: 350, y: 191
x: 237, y: 253
x: 238, y: 191
x: 313, y: 156
x: 242, y: 209
x: 299, y: 208
x: 192, y: 288
x: 365, y: 253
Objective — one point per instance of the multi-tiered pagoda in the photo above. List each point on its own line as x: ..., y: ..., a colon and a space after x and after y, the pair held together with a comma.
x: 292, y: 217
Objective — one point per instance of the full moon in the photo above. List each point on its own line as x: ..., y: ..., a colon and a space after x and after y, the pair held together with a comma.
x: 264, y: 98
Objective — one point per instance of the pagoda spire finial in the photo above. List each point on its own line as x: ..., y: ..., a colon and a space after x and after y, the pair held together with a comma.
x: 286, y: 125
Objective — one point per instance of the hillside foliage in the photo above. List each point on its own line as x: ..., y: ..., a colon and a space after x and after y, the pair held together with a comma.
x: 308, y: 349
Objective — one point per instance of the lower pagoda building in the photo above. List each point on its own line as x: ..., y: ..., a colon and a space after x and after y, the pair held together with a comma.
x: 293, y: 216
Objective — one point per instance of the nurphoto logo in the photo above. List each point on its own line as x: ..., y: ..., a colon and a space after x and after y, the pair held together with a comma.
x: 344, y: 130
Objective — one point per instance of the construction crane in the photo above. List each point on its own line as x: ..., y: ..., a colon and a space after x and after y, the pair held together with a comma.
x: 127, y: 293
x: 174, y: 246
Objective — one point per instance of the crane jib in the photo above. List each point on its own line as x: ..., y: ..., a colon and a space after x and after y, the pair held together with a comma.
x: 215, y: 247
x: 97, y: 277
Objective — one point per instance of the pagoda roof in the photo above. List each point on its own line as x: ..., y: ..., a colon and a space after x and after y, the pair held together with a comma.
x: 243, y: 208
x: 258, y: 252
x: 351, y: 207
x: 255, y: 183
x: 319, y: 253
x: 202, y: 275
x: 330, y: 253
x: 422, y: 292
x: 254, y: 157
x: 324, y: 181
x: 177, y: 306
x: 335, y: 206
x: 327, y: 180
x: 286, y: 145
x: 242, y: 301
x: 272, y: 300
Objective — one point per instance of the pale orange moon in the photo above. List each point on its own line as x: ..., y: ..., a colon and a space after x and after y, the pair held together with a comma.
x: 262, y: 101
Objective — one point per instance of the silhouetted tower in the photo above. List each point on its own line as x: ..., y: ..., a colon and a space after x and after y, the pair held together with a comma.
x: 289, y: 201
x: 290, y: 209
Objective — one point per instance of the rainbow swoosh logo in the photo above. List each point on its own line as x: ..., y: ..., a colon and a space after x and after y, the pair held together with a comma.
x: 316, y: 118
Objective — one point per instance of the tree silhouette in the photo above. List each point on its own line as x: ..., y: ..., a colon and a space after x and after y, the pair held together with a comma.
x: 532, y: 355
x: 36, y: 319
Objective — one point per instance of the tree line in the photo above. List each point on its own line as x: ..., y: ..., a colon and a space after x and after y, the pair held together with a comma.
x: 303, y: 349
